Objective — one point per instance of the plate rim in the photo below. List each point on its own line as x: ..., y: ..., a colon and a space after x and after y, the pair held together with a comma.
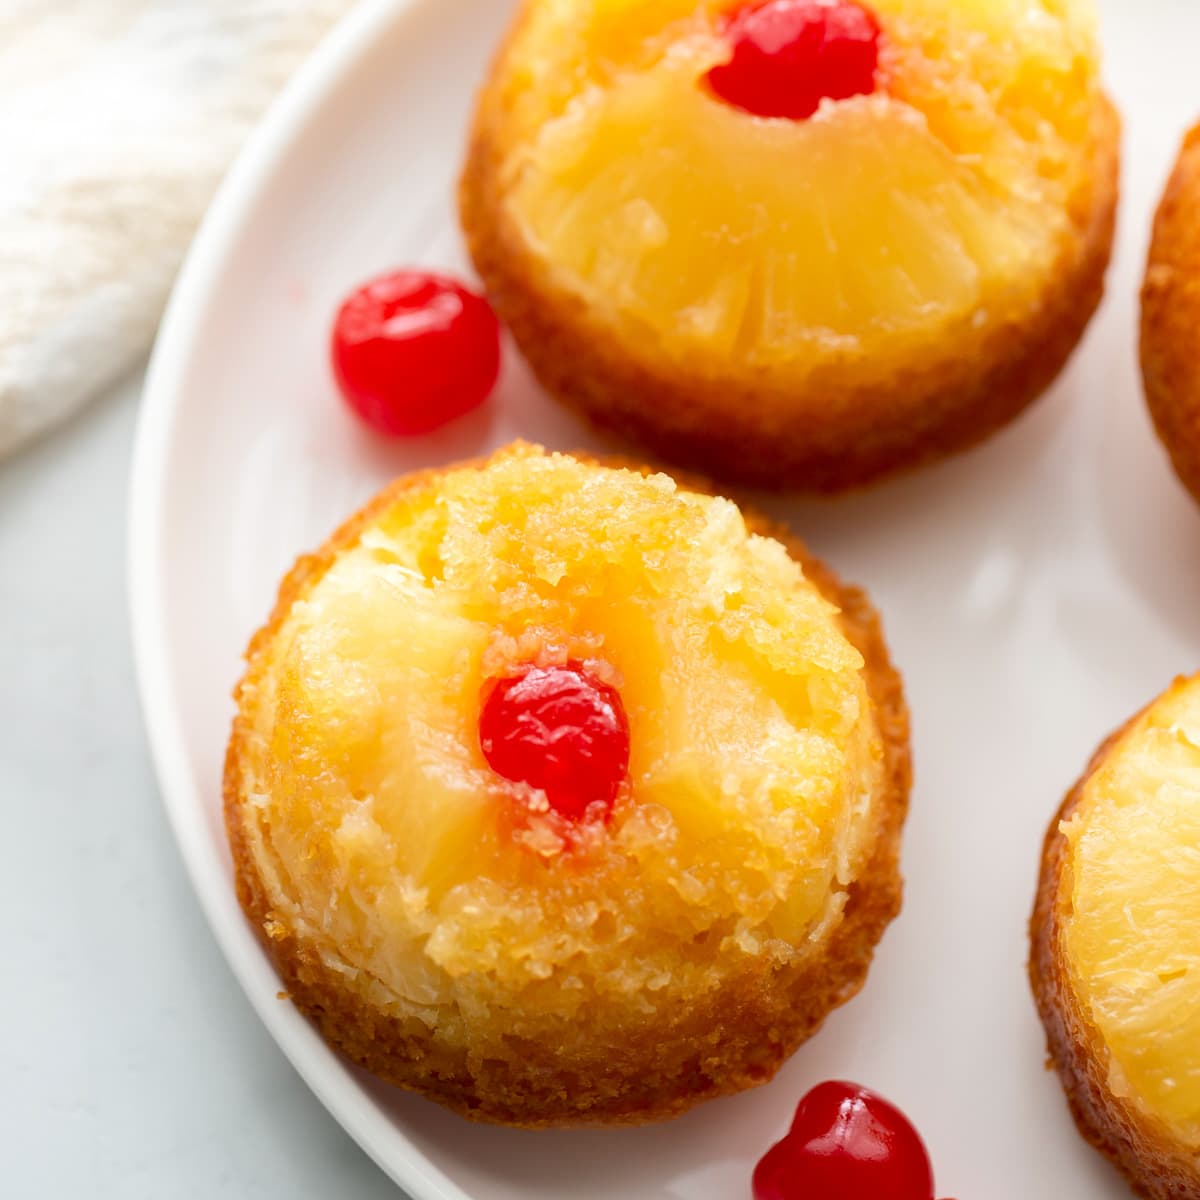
x: 275, y: 135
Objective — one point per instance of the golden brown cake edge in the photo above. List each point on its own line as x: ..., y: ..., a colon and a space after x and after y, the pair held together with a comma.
x: 1170, y: 341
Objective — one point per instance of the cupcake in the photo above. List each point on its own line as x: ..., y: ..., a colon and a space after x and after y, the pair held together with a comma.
x: 562, y: 793
x: 1171, y: 317
x: 1114, y: 963
x: 801, y: 243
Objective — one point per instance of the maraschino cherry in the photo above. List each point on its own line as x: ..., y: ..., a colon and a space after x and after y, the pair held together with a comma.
x: 789, y: 55
x: 413, y: 350
x: 560, y: 729
x: 846, y: 1143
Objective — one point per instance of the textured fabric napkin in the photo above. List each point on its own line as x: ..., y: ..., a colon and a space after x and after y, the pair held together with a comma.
x: 117, y: 120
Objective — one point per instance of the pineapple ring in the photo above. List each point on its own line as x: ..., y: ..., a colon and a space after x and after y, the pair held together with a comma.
x: 428, y: 915
x: 913, y: 282
x: 1171, y: 316
x: 1113, y: 967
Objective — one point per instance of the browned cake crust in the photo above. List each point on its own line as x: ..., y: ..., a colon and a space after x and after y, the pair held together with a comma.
x: 1156, y: 1166
x: 735, y: 1039
x: 748, y: 428
x: 1171, y: 317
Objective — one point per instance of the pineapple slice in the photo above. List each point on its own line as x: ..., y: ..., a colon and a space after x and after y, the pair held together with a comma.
x: 1129, y: 934
x: 865, y: 229
x: 755, y: 754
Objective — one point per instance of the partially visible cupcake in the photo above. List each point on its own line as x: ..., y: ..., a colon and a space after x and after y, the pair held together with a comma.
x: 561, y: 793
x: 1171, y: 317
x: 1115, y: 966
x: 800, y: 243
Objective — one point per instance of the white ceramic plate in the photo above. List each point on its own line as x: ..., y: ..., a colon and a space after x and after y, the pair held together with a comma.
x: 1036, y: 592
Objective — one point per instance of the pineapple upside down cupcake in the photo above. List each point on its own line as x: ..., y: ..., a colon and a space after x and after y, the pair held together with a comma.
x: 561, y: 793
x: 1171, y: 317
x: 799, y: 243
x: 1115, y: 967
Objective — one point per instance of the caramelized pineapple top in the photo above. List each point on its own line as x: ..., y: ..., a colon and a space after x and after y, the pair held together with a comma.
x: 754, y: 765
x: 945, y: 197
x: 1130, y: 935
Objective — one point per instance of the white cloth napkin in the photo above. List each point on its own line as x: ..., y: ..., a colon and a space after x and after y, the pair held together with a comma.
x: 117, y: 120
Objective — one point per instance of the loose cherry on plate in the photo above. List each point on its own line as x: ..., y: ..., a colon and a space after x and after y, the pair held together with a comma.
x: 846, y: 1143
x: 789, y: 55
x: 413, y: 350
x: 560, y: 729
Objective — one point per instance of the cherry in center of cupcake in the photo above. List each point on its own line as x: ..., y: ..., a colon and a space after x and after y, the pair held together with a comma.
x: 562, y: 730
x: 789, y: 55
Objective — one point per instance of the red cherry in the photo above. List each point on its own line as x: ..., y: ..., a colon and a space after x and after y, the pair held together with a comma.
x: 412, y: 351
x: 789, y: 55
x: 559, y: 729
x: 846, y: 1143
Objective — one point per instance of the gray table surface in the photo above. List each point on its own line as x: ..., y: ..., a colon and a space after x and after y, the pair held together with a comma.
x: 130, y: 1063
